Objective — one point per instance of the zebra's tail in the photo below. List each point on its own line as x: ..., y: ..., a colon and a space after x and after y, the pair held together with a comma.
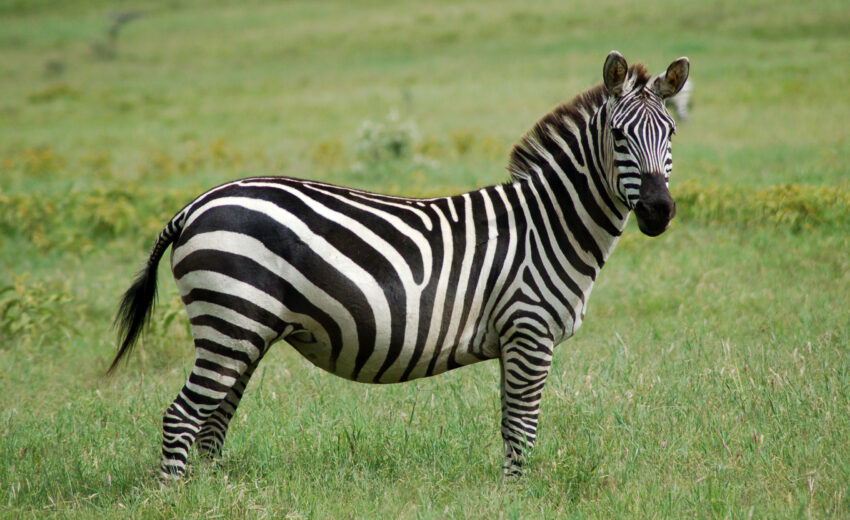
x: 136, y: 306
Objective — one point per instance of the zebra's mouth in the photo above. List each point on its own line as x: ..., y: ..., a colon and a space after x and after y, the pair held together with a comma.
x: 655, y: 208
x: 651, y: 227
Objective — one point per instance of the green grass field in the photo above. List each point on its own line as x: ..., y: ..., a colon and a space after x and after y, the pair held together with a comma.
x: 711, y: 378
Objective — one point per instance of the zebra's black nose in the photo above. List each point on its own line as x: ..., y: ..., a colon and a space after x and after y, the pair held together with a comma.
x: 655, y: 207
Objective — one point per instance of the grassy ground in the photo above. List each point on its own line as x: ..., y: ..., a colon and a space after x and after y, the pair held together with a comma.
x: 712, y: 375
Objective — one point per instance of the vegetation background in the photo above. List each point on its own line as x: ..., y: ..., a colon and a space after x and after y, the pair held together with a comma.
x: 711, y: 378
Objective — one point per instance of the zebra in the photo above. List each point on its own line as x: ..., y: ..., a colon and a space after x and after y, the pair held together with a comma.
x: 383, y: 289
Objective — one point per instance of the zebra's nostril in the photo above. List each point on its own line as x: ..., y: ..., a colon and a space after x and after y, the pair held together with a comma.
x: 664, y: 208
x: 656, y: 208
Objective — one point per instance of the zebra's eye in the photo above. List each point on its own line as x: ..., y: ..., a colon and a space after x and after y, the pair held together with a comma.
x: 618, y: 134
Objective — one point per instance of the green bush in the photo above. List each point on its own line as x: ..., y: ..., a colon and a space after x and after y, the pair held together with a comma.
x: 392, y: 138
x: 77, y: 220
x: 796, y: 207
x: 31, y: 310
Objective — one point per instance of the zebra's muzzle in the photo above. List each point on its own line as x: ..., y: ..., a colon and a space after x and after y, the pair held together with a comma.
x: 655, y: 207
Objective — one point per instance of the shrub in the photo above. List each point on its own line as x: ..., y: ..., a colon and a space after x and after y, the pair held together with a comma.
x: 36, y: 310
x: 40, y: 161
x: 796, y: 207
x: 76, y: 220
x: 392, y: 138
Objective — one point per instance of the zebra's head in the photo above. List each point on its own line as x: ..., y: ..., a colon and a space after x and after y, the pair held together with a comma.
x: 640, y: 128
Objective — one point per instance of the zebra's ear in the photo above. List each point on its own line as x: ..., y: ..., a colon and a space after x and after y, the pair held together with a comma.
x: 614, y: 73
x: 674, y: 79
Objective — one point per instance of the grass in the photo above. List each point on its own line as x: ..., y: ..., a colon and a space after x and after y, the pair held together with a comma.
x: 711, y: 376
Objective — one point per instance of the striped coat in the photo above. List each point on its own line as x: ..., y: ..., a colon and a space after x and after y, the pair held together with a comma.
x: 381, y: 289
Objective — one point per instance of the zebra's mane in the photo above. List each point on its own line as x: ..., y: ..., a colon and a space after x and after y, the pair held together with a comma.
x: 566, y: 119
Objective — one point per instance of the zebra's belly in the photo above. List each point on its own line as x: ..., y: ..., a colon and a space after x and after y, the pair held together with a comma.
x: 406, y: 366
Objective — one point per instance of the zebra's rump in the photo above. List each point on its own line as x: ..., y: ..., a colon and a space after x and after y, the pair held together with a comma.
x: 354, y: 284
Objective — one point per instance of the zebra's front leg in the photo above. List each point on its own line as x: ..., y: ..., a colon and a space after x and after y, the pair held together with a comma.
x: 525, y: 363
x: 210, y: 440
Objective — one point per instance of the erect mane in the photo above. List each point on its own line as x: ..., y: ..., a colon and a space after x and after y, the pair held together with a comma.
x: 563, y: 120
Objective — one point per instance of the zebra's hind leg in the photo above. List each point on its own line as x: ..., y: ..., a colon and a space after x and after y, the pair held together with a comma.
x: 525, y: 363
x: 221, y: 364
x: 210, y: 440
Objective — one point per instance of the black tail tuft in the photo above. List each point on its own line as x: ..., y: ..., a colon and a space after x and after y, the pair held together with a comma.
x: 137, y: 304
x: 134, y: 311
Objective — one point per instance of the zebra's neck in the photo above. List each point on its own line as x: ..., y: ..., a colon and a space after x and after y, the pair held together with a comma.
x: 566, y: 204
x: 568, y: 155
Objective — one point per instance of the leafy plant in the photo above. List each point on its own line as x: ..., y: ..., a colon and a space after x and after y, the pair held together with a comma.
x: 796, y: 207
x: 40, y: 161
x: 391, y: 138
x: 35, y: 310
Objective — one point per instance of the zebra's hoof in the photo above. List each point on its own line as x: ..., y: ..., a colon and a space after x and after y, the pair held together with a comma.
x: 169, y: 475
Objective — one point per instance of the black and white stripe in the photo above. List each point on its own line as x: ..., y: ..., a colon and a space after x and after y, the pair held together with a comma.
x: 641, y: 144
x: 383, y: 289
